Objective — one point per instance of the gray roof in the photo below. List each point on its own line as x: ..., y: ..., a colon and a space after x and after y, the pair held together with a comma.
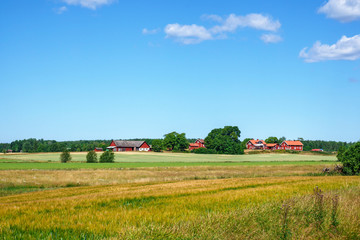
x: 120, y: 143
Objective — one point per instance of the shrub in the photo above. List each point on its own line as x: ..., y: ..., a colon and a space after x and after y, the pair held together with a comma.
x: 65, y: 156
x: 91, y: 157
x: 351, y: 160
x: 204, y: 151
x: 107, y: 157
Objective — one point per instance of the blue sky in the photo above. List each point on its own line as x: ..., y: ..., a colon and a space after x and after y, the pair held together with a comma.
x: 102, y: 69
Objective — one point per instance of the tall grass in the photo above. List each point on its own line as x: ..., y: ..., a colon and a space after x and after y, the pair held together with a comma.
x: 243, y: 208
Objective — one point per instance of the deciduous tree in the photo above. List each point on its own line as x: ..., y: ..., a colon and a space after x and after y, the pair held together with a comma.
x: 225, y: 140
x: 351, y: 160
x: 157, y: 145
x: 272, y: 140
x: 91, y: 157
x: 65, y: 156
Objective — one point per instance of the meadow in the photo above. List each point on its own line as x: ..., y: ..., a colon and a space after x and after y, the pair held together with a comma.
x: 151, y: 157
x: 262, y: 196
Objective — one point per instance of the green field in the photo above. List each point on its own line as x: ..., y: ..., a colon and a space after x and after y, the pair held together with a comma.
x: 169, y: 157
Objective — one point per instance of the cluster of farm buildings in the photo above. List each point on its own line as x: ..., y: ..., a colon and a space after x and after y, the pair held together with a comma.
x: 142, y: 146
x: 285, y: 145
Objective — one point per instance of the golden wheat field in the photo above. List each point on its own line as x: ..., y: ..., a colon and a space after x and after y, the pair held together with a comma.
x: 189, y: 202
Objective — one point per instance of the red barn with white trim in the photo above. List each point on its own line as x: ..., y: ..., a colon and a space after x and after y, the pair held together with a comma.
x: 127, y: 146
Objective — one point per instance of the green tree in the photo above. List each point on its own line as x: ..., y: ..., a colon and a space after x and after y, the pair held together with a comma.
x: 272, y: 140
x: 157, y: 145
x: 175, y: 141
x: 225, y: 140
x: 26, y: 147
x: 340, y: 152
x: 351, y: 160
x: 170, y: 140
x: 65, y: 156
x: 181, y: 142
x: 282, y: 139
x: 91, y: 157
x: 107, y: 157
x: 4, y: 151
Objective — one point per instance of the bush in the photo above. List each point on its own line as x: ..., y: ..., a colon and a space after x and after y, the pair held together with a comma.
x: 204, y: 151
x: 91, y: 157
x: 351, y: 160
x: 107, y: 157
x: 65, y: 156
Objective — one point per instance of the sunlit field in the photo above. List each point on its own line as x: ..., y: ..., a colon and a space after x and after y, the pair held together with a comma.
x: 151, y: 157
x: 195, y: 209
x: 177, y: 196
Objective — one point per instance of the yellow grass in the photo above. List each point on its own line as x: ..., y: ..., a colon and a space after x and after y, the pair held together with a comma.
x: 61, y: 178
x: 168, y: 210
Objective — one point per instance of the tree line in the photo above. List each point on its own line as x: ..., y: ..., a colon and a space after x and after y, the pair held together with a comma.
x: 221, y: 140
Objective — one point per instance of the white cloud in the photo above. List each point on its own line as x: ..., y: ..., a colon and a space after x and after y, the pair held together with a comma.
x: 146, y: 31
x: 192, y: 34
x: 344, y: 49
x: 342, y: 10
x: 212, y: 17
x: 271, y: 38
x: 254, y: 20
x: 61, y: 10
x: 92, y: 4
x: 187, y: 34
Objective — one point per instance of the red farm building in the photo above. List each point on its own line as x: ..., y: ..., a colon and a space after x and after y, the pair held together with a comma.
x: 255, y: 144
x: 97, y: 149
x: 317, y: 150
x: 126, y: 146
x: 291, y: 145
x: 272, y: 146
x: 200, y: 143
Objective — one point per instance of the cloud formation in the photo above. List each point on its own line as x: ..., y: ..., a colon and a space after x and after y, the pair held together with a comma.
x: 192, y: 34
x: 61, y: 10
x: 344, y: 49
x: 271, y: 38
x: 342, y: 10
x: 92, y: 4
x: 187, y: 34
x: 146, y: 31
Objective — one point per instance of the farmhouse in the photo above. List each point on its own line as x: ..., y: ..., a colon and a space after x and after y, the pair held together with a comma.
x: 126, y: 146
x: 200, y: 143
x: 291, y: 145
x: 255, y: 144
x: 286, y: 145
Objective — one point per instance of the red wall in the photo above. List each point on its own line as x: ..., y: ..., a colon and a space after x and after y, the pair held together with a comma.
x: 145, y: 145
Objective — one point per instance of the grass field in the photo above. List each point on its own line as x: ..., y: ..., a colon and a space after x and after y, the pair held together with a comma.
x: 151, y: 157
x: 176, y: 196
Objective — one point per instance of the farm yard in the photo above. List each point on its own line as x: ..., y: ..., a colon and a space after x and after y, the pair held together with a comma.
x: 175, y: 196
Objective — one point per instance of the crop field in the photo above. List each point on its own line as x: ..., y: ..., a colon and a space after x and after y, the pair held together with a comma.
x: 177, y: 196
